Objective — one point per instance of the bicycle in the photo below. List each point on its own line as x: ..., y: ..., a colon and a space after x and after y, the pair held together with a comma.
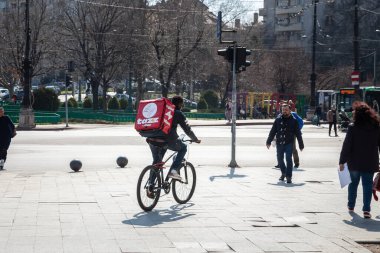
x: 182, y: 190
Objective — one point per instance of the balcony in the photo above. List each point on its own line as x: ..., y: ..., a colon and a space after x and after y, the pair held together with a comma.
x: 288, y: 28
x: 288, y: 10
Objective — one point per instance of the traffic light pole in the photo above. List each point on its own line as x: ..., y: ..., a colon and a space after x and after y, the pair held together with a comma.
x: 66, y: 106
x: 233, y: 163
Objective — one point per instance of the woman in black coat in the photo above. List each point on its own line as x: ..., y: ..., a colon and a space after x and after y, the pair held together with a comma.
x: 7, y: 132
x: 361, y: 153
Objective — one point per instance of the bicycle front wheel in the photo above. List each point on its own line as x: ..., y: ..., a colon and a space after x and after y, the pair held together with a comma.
x: 184, y: 190
x: 149, y: 188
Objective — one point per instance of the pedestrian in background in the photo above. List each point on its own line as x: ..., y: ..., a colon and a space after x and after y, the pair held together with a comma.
x: 284, y: 128
x: 318, y: 113
x: 7, y: 132
x: 296, y: 157
x: 331, y: 118
x: 228, y: 110
x: 360, y: 151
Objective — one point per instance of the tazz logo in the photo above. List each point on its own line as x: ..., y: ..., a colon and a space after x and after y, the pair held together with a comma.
x: 149, y: 110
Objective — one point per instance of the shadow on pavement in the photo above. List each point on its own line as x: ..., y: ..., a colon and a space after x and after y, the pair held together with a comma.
x: 156, y: 217
x: 230, y: 176
x: 359, y: 222
x: 283, y: 184
x: 294, y: 169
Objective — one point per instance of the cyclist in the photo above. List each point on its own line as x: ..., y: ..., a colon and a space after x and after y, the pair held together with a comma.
x: 158, y: 146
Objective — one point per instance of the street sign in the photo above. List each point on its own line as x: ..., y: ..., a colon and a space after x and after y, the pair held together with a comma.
x: 355, y: 77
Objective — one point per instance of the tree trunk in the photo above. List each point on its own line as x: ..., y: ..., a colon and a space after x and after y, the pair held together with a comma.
x: 95, y: 98
x: 105, y: 98
x: 140, y: 88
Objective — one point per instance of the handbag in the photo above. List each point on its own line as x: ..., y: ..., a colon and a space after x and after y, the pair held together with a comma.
x: 376, y: 186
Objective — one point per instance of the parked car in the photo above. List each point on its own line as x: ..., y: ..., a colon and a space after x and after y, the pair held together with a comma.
x: 4, y: 93
x: 126, y: 97
x: 19, y: 95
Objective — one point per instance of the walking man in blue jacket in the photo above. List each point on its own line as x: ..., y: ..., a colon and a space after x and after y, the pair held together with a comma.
x: 285, y: 128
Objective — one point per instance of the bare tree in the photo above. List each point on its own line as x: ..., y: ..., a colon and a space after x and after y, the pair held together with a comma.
x: 12, y: 41
x: 96, y: 39
x: 176, y: 29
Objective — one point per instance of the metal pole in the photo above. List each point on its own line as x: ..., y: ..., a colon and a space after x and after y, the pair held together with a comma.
x: 313, y: 76
x: 66, y: 106
x: 130, y: 107
x: 26, y: 99
x: 233, y: 163
x: 374, y: 68
x: 356, y: 48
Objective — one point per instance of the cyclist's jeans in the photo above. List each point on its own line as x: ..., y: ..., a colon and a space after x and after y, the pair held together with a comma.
x: 159, y: 152
x: 181, y: 149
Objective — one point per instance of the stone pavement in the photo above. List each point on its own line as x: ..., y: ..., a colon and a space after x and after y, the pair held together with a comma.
x: 241, y: 210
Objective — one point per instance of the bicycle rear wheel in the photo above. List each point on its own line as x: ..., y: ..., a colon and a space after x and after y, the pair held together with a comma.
x: 184, y: 190
x: 147, y: 203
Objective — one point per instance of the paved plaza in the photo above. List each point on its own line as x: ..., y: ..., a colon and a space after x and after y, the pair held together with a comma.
x: 45, y: 207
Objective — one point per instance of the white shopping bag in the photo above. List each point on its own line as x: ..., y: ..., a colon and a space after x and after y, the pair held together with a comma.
x: 344, y: 176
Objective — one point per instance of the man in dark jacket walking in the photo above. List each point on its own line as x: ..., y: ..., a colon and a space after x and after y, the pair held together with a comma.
x: 7, y: 132
x: 285, y: 127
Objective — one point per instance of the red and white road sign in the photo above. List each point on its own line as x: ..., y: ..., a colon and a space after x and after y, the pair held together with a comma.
x: 355, y: 77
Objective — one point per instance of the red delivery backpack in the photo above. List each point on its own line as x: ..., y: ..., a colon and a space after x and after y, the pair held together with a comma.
x: 154, y: 117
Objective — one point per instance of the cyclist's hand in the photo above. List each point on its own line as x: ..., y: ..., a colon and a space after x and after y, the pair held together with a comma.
x: 197, y: 141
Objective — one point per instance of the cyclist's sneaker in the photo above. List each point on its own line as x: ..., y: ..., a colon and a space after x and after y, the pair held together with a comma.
x: 149, y: 194
x: 174, y: 175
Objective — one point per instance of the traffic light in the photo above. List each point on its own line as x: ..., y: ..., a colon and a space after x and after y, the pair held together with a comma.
x: 227, y: 53
x: 69, y: 80
x: 241, y: 58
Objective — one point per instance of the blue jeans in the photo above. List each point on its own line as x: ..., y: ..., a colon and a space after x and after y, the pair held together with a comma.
x: 367, y: 178
x: 159, y: 152
x: 286, y: 149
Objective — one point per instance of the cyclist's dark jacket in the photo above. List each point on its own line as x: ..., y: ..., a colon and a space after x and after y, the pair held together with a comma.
x: 178, y: 119
x: 285, y: 128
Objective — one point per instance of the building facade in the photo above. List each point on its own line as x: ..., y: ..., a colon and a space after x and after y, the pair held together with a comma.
x: 289, y: 23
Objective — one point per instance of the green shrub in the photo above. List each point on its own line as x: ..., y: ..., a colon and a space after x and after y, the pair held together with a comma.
x: 123, y: 103
x: 215, y: 110
x: 72, y: 103
x: 114, y: 104
x: 87, y: 103
x: 211, y: 98
x: 202, y: 104
x: 45, y: 100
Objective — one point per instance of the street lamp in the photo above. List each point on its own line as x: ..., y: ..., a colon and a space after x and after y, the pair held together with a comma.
x: 313, y: 75
x: 26, y: 117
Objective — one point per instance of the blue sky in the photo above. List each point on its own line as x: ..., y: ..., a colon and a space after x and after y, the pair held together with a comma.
x: 242, y: 9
